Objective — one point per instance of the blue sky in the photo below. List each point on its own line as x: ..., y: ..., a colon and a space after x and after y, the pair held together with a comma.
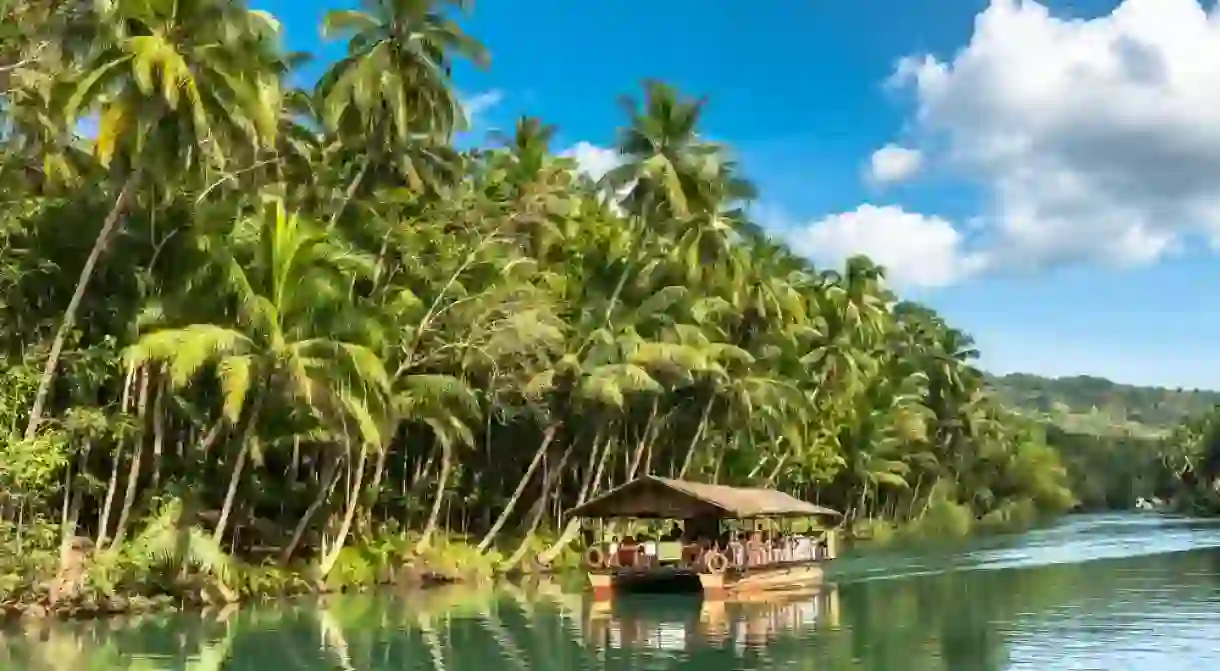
x: 1059, y: 196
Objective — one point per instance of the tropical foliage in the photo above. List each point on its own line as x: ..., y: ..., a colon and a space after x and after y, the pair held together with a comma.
x: 1108, y: 472
x: 292, y: 324
x: 1119, y: 442
x: 1189, y: 464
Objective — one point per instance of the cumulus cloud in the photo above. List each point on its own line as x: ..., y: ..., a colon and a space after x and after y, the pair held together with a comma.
x: 478, y: 104
x: 1096, y: 139
x: 593, y: 160
x: 893, y: 163
x: 916, y: 250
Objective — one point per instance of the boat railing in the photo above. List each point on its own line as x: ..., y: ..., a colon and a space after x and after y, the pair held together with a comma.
x: 702, y: 556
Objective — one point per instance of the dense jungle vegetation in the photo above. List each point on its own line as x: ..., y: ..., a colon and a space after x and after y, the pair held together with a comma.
x: 1189, y: 464
x: 246, y: 326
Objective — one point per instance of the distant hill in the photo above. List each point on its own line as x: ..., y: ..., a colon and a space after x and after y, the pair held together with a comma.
x: 1097, y: 406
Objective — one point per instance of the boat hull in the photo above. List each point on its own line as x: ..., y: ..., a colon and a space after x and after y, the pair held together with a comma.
x: 717, y: 586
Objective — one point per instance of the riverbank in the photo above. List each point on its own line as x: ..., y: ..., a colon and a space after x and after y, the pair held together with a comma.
x: 1077, y: 587
x: 945, y: 521
x: 116, y: 582
x: 111, y: 584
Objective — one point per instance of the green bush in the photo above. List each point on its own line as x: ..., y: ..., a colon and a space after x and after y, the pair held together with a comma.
x: 943, y: 519
x: 1012, y: 515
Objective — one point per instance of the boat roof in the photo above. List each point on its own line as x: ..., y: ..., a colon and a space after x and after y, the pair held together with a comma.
x: 662, y: 498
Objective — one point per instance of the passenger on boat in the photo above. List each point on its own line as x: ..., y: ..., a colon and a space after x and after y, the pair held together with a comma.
x: 803, y: 550
x: 650, y: 552
x: 754, y: 555
x: 788, y: 552
x: 691, y: 553
x: 629, y: 552
x: 737, y: 548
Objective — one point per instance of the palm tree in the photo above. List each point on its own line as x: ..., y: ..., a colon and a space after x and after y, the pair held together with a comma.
x: 178, y: 86
x: 293, y: 337
x: 667, y: 171
x: 666, y: 164
x: 391, y: 99
x: 706, y: 241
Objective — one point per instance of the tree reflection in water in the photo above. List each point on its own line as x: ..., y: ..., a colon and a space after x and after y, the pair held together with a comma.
x: 537, y: 626
x: 976, y: 620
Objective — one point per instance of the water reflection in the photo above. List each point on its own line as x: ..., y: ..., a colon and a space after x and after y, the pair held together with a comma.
x: 674, y: 625
x: 144, y: 642
x: 982, y: 609
x: 535, y: 626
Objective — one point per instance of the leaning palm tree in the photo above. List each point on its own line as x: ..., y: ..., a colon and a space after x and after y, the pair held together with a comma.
x: 177, y: 87
x: 294, y: 337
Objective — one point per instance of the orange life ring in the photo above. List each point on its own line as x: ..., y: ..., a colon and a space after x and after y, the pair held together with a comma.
x: 594, y: 557
x: 716, y: 563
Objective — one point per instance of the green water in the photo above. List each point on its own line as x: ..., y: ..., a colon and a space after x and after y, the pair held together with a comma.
x: 1095, y: 592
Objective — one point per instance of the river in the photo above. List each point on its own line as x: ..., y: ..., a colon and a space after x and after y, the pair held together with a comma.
x: 1105, y: 592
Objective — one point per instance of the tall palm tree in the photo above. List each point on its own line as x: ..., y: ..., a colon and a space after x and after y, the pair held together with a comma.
x: 666, y: 163
x: 664, y: 175
x: 293, y: 337
x: 178, y: 86
x: 532, y: 185
x: 391, y: 98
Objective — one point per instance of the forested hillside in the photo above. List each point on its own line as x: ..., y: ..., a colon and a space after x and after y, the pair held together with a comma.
x: 1094, y: 405
x: 1120, y: 441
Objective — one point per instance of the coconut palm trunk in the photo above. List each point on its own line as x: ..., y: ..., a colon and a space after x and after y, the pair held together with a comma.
x: 442, y: 486
x: 133, y: 473
x: 694, y: 441
x: 548, y: 485
x: 353, y: 502
x: 330, y: 477
x: 103, y: 524
x: 238, y: 468
x: 547, y: 439
x: 588, y: 488
x: 109, y: 227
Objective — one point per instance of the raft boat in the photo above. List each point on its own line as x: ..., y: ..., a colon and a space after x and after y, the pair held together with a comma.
x: 732, y: 540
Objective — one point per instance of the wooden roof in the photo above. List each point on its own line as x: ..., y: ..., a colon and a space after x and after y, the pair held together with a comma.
x: 656, y: 497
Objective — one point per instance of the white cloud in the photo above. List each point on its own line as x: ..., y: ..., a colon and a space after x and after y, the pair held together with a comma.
x: 593, y: 160
x: 1097, y: 139
x: 477, y: 105
x: 893, y: 163
x: 916, y: 250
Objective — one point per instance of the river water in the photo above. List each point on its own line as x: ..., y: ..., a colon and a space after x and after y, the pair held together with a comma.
x: 1105, y: 592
